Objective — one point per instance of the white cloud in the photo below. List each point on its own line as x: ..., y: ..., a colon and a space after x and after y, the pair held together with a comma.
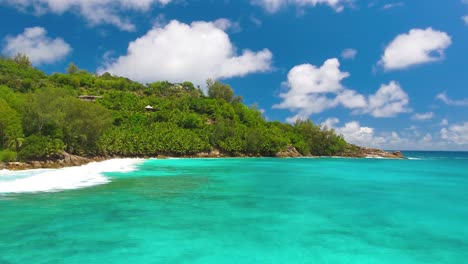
x: 447, y: 100
x: 423, y: 116
x: 457, y: 133
x: 351, y: 99
x: 444, y: 122
x: 226, y: 24
x: 273, y: 6
x: 94, y: 11
x: 388, y: 101
x: 393, y: 5
x: 465, y: 19
x: 256, y: 21
x: 330, y: 122
x: 454, y: 137
x: 360, y: 135
x: 313, y: 89
x: 308, y: 88
x: 349, y: 54
x: 418, y: 46
x: 35, y: 43
x: 354, y: 133
x: 181, y: 52
x: 306, y: 78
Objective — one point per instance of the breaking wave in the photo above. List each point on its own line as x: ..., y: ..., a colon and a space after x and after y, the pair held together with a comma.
x: 53, y: 180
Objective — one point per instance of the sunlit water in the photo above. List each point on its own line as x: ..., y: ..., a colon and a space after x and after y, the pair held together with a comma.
x: 263, y: 210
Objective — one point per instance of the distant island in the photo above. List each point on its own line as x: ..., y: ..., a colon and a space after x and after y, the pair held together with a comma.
x: 70, y: 119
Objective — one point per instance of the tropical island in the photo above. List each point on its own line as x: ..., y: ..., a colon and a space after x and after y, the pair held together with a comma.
x: 72, y: 118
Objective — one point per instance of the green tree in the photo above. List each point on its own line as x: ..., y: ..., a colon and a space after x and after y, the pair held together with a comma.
x: 22, y: 60
x: 38, y: 147
x: 44, y: 108
x: 220, y: 90
x: 72, y: 68
x: 11, y: 131
x: 83, y: 124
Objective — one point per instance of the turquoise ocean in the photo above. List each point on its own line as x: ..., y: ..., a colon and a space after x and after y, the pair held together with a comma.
x: 239, y: 210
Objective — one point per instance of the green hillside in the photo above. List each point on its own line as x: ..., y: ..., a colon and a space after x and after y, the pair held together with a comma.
x: 42, y: 115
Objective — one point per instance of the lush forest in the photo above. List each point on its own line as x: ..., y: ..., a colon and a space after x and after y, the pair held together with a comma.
x: 41, y: 116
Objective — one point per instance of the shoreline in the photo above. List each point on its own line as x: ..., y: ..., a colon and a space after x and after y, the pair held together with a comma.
x: 74, y: 161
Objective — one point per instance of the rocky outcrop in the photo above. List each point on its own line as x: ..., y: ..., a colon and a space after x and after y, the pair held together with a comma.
x: 289, y: 152
x: 68, y: 160
x: 361, y: 152
x: 214, y: 153
x: 74, y: 160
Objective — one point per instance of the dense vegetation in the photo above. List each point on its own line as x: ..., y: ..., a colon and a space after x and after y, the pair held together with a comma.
x: 41, y: 116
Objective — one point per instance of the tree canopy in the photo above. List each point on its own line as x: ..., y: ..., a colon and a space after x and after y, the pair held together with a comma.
x: 41, y: 116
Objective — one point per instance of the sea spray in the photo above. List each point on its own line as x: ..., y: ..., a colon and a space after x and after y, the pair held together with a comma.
x: 52, y: 180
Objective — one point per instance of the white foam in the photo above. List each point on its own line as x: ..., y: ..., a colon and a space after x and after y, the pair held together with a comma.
x: 374, y: 157
x: 53, y: 180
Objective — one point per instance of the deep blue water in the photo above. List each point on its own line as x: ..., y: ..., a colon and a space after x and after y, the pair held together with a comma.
x: 259, y: 210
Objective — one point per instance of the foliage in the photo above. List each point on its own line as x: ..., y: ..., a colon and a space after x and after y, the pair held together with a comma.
x: 72, y: 68
x: 7, y: 156
x: 22, y: 60
x: 11, y: 131
x: 38, y: 147
x: 41, y: 116
x: 220, y: 90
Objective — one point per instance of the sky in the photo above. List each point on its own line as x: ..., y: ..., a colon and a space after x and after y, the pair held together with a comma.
x: 383, y: 73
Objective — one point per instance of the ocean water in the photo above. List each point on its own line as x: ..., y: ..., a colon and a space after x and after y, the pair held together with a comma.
x: 251, y: 210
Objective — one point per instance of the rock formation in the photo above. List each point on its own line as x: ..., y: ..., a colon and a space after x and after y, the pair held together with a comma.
x: 289, y: 152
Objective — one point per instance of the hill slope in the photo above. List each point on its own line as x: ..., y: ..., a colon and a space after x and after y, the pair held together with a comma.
x: 42, y: 117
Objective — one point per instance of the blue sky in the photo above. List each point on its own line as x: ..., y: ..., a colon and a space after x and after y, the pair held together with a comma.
x: 388, y: 74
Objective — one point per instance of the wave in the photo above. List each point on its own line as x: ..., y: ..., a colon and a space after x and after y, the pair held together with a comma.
x: 374, y: 157
x: 53, y: 180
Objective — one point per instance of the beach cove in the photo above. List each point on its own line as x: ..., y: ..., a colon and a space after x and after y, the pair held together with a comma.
x: 250, y: 210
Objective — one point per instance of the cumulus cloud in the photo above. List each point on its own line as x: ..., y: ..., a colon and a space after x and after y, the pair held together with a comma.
x: 35, y: 43
x: 360, y: 135
x: 308, y: 88
x: 273, y: 6
x: 349, y: 54
x: 418, y: 46
x: 457, y: 133
x: 354, y: 133
x: 187, y: 52
x: 351, y: 99
x: 454, y: 137
x: 94, y: 11
x: 388, y: 101
x: 313, y: 89
x: 447, y: 100
x: 423, y: 116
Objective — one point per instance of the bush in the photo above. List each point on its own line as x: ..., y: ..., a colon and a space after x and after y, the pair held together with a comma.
x: 38, y: 147
x: 7, y: 156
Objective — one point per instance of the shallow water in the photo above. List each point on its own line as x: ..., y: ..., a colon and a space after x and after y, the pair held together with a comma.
x: 260, y: 210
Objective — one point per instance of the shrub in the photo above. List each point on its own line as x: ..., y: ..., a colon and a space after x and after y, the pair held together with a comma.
x: 38, y: 147
x: 7, y: 156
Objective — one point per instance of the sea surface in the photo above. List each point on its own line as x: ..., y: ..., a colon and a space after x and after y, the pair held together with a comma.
x: 249, y: 210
